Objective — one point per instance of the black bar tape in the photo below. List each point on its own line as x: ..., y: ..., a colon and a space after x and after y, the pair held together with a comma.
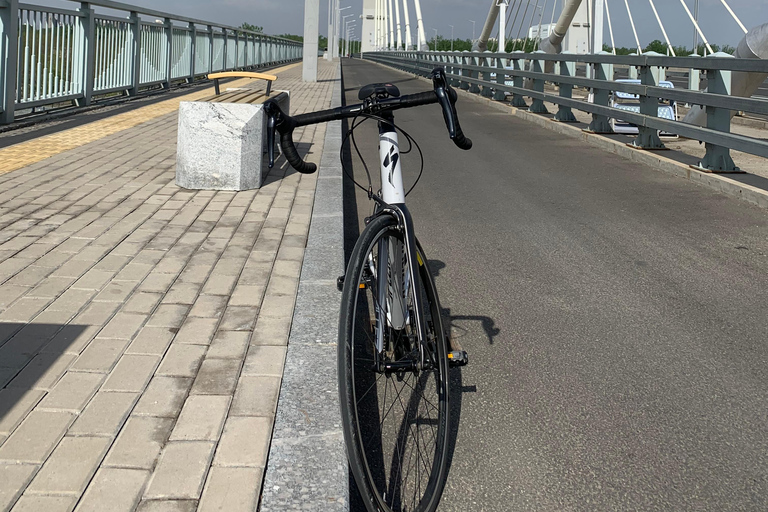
x: 319, y: 117
x: 461, y: 141
x: 421, y: 98
x: 289, y: 150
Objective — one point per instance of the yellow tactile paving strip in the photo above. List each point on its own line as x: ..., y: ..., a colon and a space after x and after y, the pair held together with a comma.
x: 33, y: 151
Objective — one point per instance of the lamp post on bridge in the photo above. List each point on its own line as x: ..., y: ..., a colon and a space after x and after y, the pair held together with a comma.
x: 337, y: 32
x: 451, y: 36
x: 344, y: 24
x: 473, y: 30
x: 350, y: 29
x: 435, y: 40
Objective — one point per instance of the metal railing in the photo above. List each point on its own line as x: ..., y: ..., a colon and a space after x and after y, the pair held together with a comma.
x: 54, y: 55
x: 493, y: 74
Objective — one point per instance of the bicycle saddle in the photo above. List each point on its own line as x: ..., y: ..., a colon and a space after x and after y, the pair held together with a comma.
x: 388, y: 90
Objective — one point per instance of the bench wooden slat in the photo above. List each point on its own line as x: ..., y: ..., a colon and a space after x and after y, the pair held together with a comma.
x: 240, y: 74
x: 254, y: 97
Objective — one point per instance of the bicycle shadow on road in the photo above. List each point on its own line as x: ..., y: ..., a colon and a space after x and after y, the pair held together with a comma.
x: 453, y: 323
x: 456, y: 326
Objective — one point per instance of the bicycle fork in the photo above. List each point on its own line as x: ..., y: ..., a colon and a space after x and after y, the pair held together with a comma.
x: 395, y: 278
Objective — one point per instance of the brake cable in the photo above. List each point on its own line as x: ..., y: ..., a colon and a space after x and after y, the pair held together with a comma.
x: 350, y: 135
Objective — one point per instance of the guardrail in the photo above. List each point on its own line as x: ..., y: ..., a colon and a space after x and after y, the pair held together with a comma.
x: 57, y: 55
x: 490, y: 74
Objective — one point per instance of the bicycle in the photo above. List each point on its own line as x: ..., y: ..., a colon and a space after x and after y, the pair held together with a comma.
x: 391, y: 336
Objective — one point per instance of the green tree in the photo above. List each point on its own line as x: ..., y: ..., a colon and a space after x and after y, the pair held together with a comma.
x: 656, y: 46
x: 322, y: 41
x: 252, y: 28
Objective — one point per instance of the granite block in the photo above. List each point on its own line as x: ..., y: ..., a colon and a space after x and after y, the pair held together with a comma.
x: 220, y: 145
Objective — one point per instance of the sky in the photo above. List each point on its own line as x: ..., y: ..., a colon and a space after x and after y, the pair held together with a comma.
x: 286, y: 16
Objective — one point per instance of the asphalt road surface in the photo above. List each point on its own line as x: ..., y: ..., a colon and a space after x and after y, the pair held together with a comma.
x: 615, y: 318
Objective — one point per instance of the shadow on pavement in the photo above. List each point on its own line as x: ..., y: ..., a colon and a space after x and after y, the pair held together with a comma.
x: 32, y: 356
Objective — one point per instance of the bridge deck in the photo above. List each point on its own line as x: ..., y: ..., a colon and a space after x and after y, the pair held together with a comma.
x: 614, y: 317
x: 133, y: 362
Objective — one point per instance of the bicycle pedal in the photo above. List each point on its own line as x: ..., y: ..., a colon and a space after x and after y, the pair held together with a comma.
x: 457, y: 358
x: 340, y: 283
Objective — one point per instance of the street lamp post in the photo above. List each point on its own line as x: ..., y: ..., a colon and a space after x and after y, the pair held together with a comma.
x: 451, y: 36
x: 344, y: 24
x: 348, y: 44
x: 473, y: 30
x: 435, y: 40
x: 348, y: 26
x: 337, y: 32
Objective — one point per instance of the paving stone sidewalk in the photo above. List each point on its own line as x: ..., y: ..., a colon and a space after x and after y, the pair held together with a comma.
x: 143, y: 327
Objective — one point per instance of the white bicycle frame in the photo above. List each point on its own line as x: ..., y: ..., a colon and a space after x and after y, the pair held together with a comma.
x: 392, y: 192
x: 394, y: 285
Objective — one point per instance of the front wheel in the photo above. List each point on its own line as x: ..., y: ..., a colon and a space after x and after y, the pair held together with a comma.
x: 394, y: 411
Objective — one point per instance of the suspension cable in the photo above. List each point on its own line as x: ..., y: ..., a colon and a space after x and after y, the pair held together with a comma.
x: 661, y: 25
x: 734, y: 16
x: 698, y: 28
x: 610, y: 27
x: 511, y: 27
x: 522, y: 22
x: 530, y: 23
x: 538, y: 33
x: 634, y: 30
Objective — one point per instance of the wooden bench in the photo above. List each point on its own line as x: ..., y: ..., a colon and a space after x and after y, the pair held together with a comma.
x: 222, y: 139
x: 241, y: 74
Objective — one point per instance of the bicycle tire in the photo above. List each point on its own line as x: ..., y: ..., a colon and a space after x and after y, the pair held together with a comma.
x: 380, y: 457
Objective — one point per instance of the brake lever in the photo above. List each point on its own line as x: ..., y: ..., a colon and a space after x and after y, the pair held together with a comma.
x: 441, y: 91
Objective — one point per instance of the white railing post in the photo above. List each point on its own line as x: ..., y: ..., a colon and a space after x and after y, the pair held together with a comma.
x: 86, y: 62
x: 192, y: 51
x: 135, y: 75
x: 225, y: 51
x: 210, y: 48
x: 237, y: 50
x: 168, y: 52
x: 9, y: 15
x: 246, y: 60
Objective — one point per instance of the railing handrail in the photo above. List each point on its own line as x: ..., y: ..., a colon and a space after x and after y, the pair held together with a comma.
x: 754, y: 105
x: 472, y: 71
x: 716, y: 62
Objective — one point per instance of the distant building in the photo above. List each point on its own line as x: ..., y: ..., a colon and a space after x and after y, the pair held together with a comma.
x: 533, y: 32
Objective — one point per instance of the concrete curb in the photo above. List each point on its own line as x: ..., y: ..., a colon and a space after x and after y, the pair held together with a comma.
x: 716, y: 182
x: 307, y: 462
